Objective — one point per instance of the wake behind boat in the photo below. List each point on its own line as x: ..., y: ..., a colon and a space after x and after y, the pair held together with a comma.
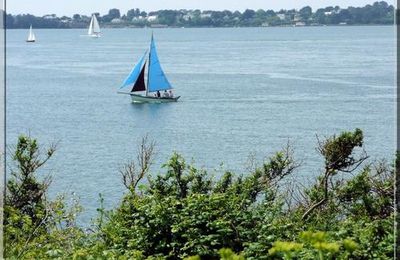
x: 156, y: 80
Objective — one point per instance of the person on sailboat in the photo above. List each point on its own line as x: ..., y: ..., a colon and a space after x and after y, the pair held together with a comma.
x: 158, y: 94
x: 170, y: 94
x: 166, y: 94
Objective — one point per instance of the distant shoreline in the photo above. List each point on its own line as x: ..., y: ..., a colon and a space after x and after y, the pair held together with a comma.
x: 379, y: 13
x: 213, y: 27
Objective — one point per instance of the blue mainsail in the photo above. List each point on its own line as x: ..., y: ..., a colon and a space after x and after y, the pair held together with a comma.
x: 133, y: 76
x: 156, y: 77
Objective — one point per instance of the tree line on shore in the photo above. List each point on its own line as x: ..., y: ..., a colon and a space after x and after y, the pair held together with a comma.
x: 377, y: 13
x: 185, y: 213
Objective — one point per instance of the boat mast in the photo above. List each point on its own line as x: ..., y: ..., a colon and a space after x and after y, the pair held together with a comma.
x: 148, y: 67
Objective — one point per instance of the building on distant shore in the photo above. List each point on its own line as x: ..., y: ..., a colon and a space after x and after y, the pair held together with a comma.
x: 188, y: 16
x: 50, y: 16
x: 116, y: 20
x: 297, y: 18
x: 300, y: 24
x: 281, y: 16
x: 207, y: 15
x: 138, y: 18
x: 151, y: 18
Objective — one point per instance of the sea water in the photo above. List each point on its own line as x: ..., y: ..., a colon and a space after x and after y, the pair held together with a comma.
x: 245, y: 93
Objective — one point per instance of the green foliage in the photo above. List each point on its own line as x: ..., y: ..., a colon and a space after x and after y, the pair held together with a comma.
x: 24, y: 191
x: 228, y: 254
x: 287, y: 249
x: 305, y: 13
x: 186, y: 214
x: 340, y: 155
x: 315, y: 245
x: 224, y: 254
x: 34, y: 225
x: 338, y: 151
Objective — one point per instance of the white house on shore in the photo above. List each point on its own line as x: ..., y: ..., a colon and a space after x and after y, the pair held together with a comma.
x: 152, y: 18
x: 281, y: 16
x: 206, y: 15
x: 138, y: 18
x: 188, y: 16
x: 116, y: 20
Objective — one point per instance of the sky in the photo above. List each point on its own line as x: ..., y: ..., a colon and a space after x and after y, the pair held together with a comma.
x: 70, y: 7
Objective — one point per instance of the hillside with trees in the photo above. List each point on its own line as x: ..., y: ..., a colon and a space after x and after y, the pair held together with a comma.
x: 377, y: 13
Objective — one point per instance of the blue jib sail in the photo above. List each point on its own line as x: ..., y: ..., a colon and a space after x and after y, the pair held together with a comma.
x: 133, y: 76
x: 157, y: 80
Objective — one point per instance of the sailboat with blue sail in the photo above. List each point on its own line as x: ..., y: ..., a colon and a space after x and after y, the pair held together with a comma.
x: 157, y: 82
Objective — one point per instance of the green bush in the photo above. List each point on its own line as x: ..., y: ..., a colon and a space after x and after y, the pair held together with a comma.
x: 186, y: 214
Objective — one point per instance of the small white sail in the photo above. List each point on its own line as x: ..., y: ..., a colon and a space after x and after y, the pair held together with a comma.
x: 94, y: 28
x: 31, y: 37
x: 90, y: 32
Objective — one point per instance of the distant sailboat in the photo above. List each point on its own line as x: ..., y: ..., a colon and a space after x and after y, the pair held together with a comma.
x: 31, y: 36
x: 94, y: 28
x: 156, y: 80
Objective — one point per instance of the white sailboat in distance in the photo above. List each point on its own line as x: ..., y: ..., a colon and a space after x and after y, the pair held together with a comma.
x: 31, y: 36
x: 94, y: 28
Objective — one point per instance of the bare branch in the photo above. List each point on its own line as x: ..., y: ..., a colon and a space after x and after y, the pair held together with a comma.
x: 133, y: 172
x: 128, y: 174
x: 145, y: 155
x: 288, y: 165
x: 251, y: 162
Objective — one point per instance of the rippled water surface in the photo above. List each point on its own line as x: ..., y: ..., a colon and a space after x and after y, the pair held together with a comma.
x: 244, y: 90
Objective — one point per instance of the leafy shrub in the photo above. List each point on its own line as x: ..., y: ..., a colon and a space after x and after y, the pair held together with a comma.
x: 186, y: 214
